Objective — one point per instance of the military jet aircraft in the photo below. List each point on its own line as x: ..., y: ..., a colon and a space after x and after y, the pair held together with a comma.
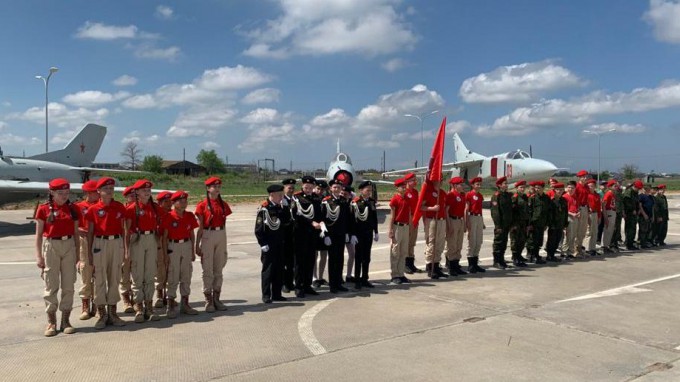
x: 514, y: 165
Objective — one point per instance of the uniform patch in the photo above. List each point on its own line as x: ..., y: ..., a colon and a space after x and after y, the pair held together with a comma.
x: 101, y: 213
x: 475, y: 197
x: 174, y: 224
x: 458, y: 199
x: 495, y: 203
x: 434, y: 194
x: 141, y: 213
x: 84, y: 211
x: 119, y: 215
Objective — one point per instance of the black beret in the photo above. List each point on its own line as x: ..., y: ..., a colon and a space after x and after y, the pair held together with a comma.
x: 308, y: 179
x: 333, y: 182
x: 349, y: 189
x: 288, y: 181
x: 365, y: 183
x: 322, y: 183
x: 274, y: 188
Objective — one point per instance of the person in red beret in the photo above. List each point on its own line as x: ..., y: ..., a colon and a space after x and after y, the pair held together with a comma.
x: 398, y: 231
x: 609, y: 216
x: 106, y: 227
x: 57, y: 247
x: 539, y: 213
x: 412, y: 197
x: 581, y: 227
x: 557, y: 221
x: 142, y: 219
x: 455, y: 225
x: 501, y: 213
x: 518, y: 232
x: 165, y: 204
x: 631, y: 208
x: 594, y: 216
x: 211, y: 242
x: 126, y: 278
x: 178, y: 235
x: 661, y: 216
x: 474, y: 224
x: 129, y: 196
x: 434, y: 226
x: 86, y: 291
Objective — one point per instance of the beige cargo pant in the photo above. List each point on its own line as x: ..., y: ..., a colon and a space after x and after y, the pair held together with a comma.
x: 454, y: 239
x: 592, y: 231
x: 435, y: 239
x: 107, y: 259
x: 475, y: 235
x: 180, y: 269
x: 162, y: 271
x: 214, y: 259
x: 60, y: 273
x: 412, y: 238
x: 399, y: 250
x: 143, y: 266
x: 609, y: 228
x: 87, y: 289
x: 582, y: 228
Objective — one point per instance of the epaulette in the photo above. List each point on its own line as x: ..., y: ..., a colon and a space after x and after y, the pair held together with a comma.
x: 327, y: 198
x: 298, y: 193
x: 516, y: 195
x: 498, y: 193
x: 265, y: 203
x: 356, y: 199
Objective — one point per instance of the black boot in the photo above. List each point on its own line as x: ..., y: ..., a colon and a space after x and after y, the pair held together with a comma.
x: 438, y: 271
x: 497, y: 262
x: 473, y: 266
x: 552, y: 258
x: 457, y: 268
x: 410, y: 266
x: 517, y: 261
x: 452, y: 268
x: 538, y: 258
x: 428, y: 269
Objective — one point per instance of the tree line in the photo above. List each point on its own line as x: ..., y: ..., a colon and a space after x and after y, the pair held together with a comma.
x: 134, y: 160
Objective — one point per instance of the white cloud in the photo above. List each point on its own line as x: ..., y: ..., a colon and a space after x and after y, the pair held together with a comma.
x: 93, y: 98
x: 557, y: 112
x: 164, y: 12
x: 202, y: 121
x: 11, y: 139
x: 310, y: 27
x: 6, y: 104
x: 99, y: 31
x: 261, y: 116
x: 258, y: 96
x: 150, y: 51
x: 3, y: 125
x: 125, y: 80
x: 228, y: 78
x: 394, y: 64
x: 620, y: 128
x: 62, y: 116
x: 374, y: 141
x: 262, y: 136
x: 210, y: 145
x: 664, y: 17
x: 184, y: 94
x: 456, y: 127
x: 334, y: 117
x: 392, y: 107
x: 517, y: 83
x: 137, y: 137
x: 143, y: 101
x: 332, y: 124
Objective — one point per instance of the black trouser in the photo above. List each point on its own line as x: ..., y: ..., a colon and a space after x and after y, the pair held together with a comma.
x: 554, y: 238
x: 289, y: 259
x: 336, y: 260
x: 535, y: 240
x: 305, y: 246
x: 600, y: 229
x: 630, y: 227
x: 272, y: 271
x: 500, y: 240
x: 362, y: 255
x: 617, y: 229
x: 518, y: 238
x: 662, y: 231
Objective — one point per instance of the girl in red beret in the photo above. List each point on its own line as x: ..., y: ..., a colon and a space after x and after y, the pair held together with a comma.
x: 57, y: 251
x: 85, y: 268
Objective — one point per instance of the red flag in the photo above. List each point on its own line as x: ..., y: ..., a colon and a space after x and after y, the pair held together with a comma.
x: 434, y: 170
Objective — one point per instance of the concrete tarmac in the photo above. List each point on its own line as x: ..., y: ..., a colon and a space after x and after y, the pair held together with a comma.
x: 612, y: 318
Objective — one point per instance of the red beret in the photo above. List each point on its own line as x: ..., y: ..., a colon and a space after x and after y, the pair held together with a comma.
x: 501, y: 180
x: 537, y: 183
x: 638, y: 184
x: 476, y: 180
x: 399, y: 182
x: 591, y: 181
x: 90, y: 186
x: 163, y: 195
x: 214, y: 181
x: 142, y: 183
x: 558, y: 185
x: 520, y: 183
x: 456, y: 180
x: 105, y: 181
x: 582, y: 173
x: 552, y: 180
x: 409, y: 176
x: 179, y: 194
x: 127, y: 190
x: 59, y: 184
x: 662, y: 187
x: 611, y: 183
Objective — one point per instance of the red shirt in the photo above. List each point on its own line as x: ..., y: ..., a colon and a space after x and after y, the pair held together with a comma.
x: 595, y: 204
x: 432, y: 198
x: 83, y: 206
x: 402, y: 209
x: 411, y: 196
x: 572, y: 203
x: 609, y: 201
x: 143, y: 217
x: 62, y: 223
x: 456, y: 202
x: 474, y: 199
x: 219, y: 214
x: 107, y: 219
x: 551, y: 194
x: 581, y: 194
x: 179, y: 228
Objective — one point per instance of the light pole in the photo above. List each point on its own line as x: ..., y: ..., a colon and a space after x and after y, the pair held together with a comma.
x: 46, y: 81
x: 598, y: 133
x: 421, y: 117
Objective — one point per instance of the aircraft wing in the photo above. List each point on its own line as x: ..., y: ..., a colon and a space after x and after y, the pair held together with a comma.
x: 445, y: 167
x: 104, y: 170
x: 18, y: 186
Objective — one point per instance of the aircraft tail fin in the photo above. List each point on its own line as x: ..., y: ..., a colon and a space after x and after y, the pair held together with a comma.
x: 81, y: 150
x: 462, y: 153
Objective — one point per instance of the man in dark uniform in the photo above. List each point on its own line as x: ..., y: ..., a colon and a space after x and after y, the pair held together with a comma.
x: 557, y: 221
x: 289, y: 235
x: 661, y: 215
x: 539, y: 209
x: 335, y: 216
x: 501, y: 213
x: 645, y: 217
x: 270, y: 233
x: 631, y: 207
x: 306, y: 214
x: 321, y: 252
x: 618, y: 200
x: 518, y: 232
x: 366, y: 230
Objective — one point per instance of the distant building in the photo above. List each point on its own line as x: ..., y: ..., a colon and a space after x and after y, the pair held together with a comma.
x: 241, y: 168
x: 108, y: 166
x: 179, y: 167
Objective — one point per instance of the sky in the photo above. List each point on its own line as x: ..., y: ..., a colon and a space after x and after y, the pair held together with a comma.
x: 284, y: 79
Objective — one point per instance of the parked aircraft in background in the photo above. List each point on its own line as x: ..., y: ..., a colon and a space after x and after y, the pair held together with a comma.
x: 515, y: 165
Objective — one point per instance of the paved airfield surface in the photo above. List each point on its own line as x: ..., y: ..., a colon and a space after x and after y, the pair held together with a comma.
x: 604, y: 319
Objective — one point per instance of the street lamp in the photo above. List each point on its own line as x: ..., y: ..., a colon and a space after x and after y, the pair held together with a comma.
x: 46, y: 81
x: 421, y: 117
x: 598, y: 133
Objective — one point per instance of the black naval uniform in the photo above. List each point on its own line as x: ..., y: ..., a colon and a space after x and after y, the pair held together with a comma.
x: 335, y: 213
x: 289, y: 246
x: 501, y: 213
x: 305, y: 211
x: 270, y: 233
x: 365, y: 217
x: 539, y: 210
x: 558, y: 221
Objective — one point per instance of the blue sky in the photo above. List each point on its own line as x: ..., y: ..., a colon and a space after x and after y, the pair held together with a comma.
x: 283, y: 79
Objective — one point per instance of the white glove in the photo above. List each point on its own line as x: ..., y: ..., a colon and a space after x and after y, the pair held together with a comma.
x: 376, y: 237
x: 265, y: 248
x: 327, y: 241
x: 354, y: 240
x: 346, y: 238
